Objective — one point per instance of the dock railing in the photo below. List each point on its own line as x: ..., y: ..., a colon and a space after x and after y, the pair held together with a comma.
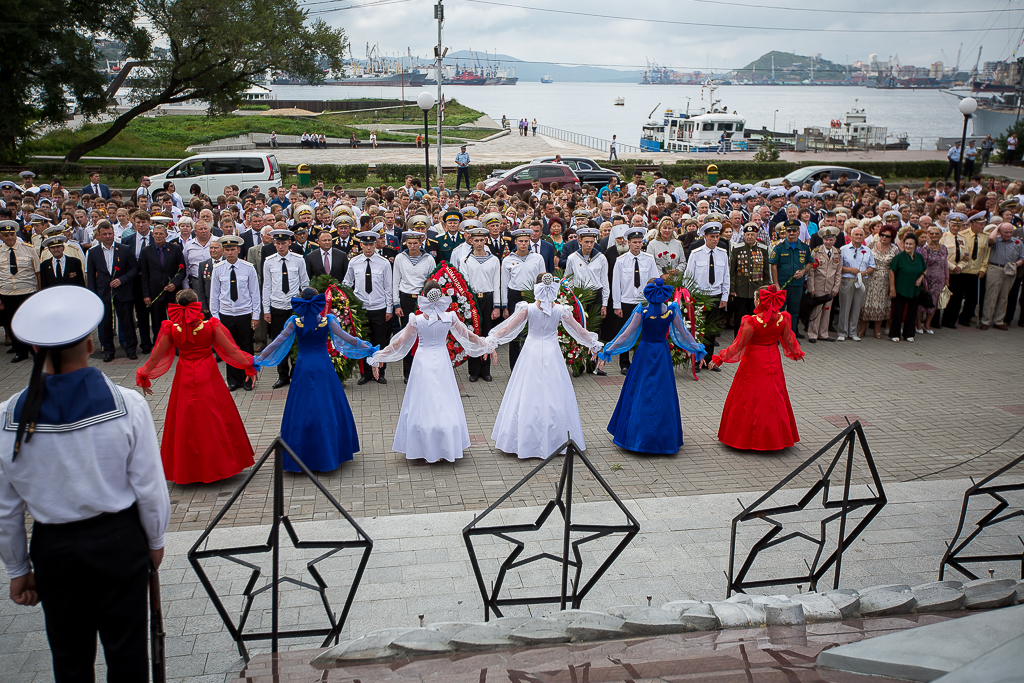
x: 588, y: 140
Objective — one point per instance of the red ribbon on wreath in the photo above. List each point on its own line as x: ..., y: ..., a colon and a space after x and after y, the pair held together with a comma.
x: 455, y: 286
x: 682, y: 297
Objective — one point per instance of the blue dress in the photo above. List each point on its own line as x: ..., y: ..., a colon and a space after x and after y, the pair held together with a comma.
x: 317, y: 423
x: 646, y: 418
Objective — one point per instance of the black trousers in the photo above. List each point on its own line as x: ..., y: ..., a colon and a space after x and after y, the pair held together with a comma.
x: 11, y: 305
x: 240, y: 329
x: 462, y: 172
x: 957, y: 285
x: 741, y: 306
x: 144, y: 319
x: 1011, y: 302
x: 481, y: 367
x: 594, y: 311
x: 714, y: 317
x: 125, y: 324
x: 409, y: 303
x: 158, y: 313
x: 514, y: 296
x: 972, y: 300
x: 907, y: 324
x: 615, y: 325
x: 380, y: 335
x: 278, y: 319
x: 93, y: 577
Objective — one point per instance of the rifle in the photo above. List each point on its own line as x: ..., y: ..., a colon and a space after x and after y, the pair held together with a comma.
x: 157, y: 634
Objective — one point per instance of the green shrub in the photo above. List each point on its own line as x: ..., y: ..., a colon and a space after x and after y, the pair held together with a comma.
x: 255, y: 107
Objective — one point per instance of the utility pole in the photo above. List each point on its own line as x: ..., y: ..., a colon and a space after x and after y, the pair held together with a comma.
x: 439, y: 15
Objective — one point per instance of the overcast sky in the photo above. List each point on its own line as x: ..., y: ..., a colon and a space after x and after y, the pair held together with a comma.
x: 584, y: 38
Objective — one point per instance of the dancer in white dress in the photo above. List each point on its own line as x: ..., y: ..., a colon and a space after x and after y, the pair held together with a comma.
x: 539, y: 408
x: 432, y: 423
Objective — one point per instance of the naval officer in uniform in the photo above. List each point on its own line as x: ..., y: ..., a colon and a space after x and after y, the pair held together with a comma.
x: 708, y: 266
x: 80, y: 454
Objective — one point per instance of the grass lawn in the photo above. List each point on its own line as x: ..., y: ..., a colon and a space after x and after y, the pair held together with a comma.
x: 455, y: 114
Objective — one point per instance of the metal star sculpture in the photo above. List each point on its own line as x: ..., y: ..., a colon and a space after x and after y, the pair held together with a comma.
x: 272, y: 545
x: 955, y: 555
x: 835, y: 509
x: 572, y: 592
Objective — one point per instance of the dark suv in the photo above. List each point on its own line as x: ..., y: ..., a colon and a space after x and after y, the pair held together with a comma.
x: 521, y: 178
x: 587, y: 170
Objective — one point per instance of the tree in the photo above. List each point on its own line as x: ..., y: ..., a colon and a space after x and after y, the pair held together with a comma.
x: 217, y: 49
x: 1018, y: 129
x: 49, y: 62
x: 768, y: 151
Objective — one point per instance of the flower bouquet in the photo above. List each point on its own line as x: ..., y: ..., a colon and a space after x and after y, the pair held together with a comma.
x: 454, y: 285
x: 692, y: 302
x: 578, y: 299
x: 348, y: 309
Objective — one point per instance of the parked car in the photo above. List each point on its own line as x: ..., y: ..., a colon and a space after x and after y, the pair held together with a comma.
x: 587, y: 170
x: 213, y: 171
x: 521, y: 178
x: 810, y: 173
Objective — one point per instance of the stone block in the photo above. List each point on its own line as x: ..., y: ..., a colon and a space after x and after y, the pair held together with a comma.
x: 940, y: 596
x: 818, y: 607
x: 567, y: 616
x: 740, y: 598
x: 1020, y: 593
x: 490, y: 635
x: 651, y: 621
x: 784, y: 614
x: 540, y: 632
x: 990, y: 593
x: 701, y: 617
x: 595, y: 626
x: 881, y: 601
x: 731, y: 615
x: 624, y: 611
x: 679, y: 607
x: 423, y: 641
x: 847, y: 601
x: 376, y: 645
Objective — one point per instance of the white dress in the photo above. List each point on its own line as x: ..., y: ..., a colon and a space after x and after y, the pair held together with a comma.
x: 432, y: 423
x: 538, y: 412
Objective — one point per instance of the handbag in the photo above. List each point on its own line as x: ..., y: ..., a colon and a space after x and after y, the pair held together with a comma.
x: 924, y: 299
x: 944, y: 296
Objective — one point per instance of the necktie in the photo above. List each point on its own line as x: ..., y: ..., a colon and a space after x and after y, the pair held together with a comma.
x: 957, y: 242
x: 711, y: 267
x: 974, y: 250
x: 56, y: 268
x: 327, y: 263
x: 636, y: 272
x: 284, y: 276
x: 96, y: 190
x: 14, y: 263
x: 234, y: 285
x: 368, y: 278
x: 160, y: 256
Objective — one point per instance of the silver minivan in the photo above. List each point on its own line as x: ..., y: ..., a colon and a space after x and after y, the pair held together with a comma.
x: 215, y: 170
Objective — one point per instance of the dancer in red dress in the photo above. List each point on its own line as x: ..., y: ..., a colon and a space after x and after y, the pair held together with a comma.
x: 757, y: 414
x: 204, y: 438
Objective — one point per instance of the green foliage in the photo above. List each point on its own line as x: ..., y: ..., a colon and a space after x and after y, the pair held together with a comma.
x: 350, y: 314
x: 255, y: 107
x: 49, y: 59
x: 455, y: 114
x: 626, y: 167
x: 768, y: 151
x: 756, y: 171
x: 1018, y: 129
x: 336, y: 173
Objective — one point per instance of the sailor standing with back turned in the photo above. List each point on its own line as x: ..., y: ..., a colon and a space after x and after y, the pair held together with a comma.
x: 81, y: 455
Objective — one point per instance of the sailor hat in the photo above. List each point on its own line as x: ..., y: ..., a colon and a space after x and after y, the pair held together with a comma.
x: 895, y: 215
x: 522, y: 232
x: 635, y: 231
x: 77, y: 310
x: 55, y: 240
x: 451, y: 215
x: 230, y: 241
x: 413, y: 235
x: 711, y: 228
x: 368, y: 236
x: 828, y: 231
x: 281, y: 235
x: 803, y: 194
x: 9, y: 226
x: 722, y: 183
x: 588, y: 232
x: 470, y: 223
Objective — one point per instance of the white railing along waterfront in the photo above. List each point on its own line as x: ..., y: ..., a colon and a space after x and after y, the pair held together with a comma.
x: 587, y: 140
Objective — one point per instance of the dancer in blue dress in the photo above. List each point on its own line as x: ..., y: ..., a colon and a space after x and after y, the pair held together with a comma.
x: 317, y: 423
x: 646, y: 418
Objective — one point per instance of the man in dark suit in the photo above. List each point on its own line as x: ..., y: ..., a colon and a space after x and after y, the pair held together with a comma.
x: 61, y: 269
x: 95, y: 187
x: 327, y: 255
x: 161, y: 274
x: 110, y: 269
x: 137, y: 242
x: 202, y: 283
x: 539, y: 246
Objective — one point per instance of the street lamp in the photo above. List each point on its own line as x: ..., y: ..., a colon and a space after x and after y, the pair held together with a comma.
x: 425, y: 100
x: 967, y: 106
x: 773, y: 121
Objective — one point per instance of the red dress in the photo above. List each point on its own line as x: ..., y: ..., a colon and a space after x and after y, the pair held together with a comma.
x: 757, y: 414
x: 204, y: 437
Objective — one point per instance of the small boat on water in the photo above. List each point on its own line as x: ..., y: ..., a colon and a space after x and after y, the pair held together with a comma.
x: 547, y: 79
x: 697, y: 132
x: 619, y: 102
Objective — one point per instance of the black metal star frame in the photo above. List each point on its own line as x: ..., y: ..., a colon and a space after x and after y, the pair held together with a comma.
x: 570, y: 557
x: 272, y: 545
x: 836, y: 509
x: 955, y: 555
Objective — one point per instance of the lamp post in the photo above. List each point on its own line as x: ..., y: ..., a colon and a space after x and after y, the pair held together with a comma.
x: 425, y: 100
x: 967, y: 106
x: 773, y: 121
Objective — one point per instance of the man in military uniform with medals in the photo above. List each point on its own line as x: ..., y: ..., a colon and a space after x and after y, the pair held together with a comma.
x: 791, y: 261
x: 748, y: 272
x: 451, y: 238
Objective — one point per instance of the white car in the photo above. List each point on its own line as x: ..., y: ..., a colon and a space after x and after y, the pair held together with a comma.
x: 213, y: 171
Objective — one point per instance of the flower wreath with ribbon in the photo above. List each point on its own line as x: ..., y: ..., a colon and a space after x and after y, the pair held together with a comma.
x: 463, y: 305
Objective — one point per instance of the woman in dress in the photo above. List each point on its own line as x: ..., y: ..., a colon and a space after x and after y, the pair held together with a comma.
x: 317, y: 424
x: 877, y: 303
x: 432, y: 424
x: 757, y: 414
x: 666, y: 249
x: 538, y: 411
x: 937, y: 275
x: 204, y: 438
x: 646, y: 418
x: 906, y: 275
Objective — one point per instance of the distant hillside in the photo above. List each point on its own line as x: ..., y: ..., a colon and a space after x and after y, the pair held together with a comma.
x: 791, y: 68
x: 534, y: 71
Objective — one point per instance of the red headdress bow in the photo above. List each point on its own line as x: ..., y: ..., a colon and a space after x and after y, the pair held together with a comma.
x: 770, y: 301
x: 185, y: 315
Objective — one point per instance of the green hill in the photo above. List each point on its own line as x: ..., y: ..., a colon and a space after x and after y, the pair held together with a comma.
x: 791, y: 68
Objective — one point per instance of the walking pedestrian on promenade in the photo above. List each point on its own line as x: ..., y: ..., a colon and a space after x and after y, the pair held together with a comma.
x: 722, y: 140
x: 611, y: 150
x: 534, y: 128
x: 462, y: 172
